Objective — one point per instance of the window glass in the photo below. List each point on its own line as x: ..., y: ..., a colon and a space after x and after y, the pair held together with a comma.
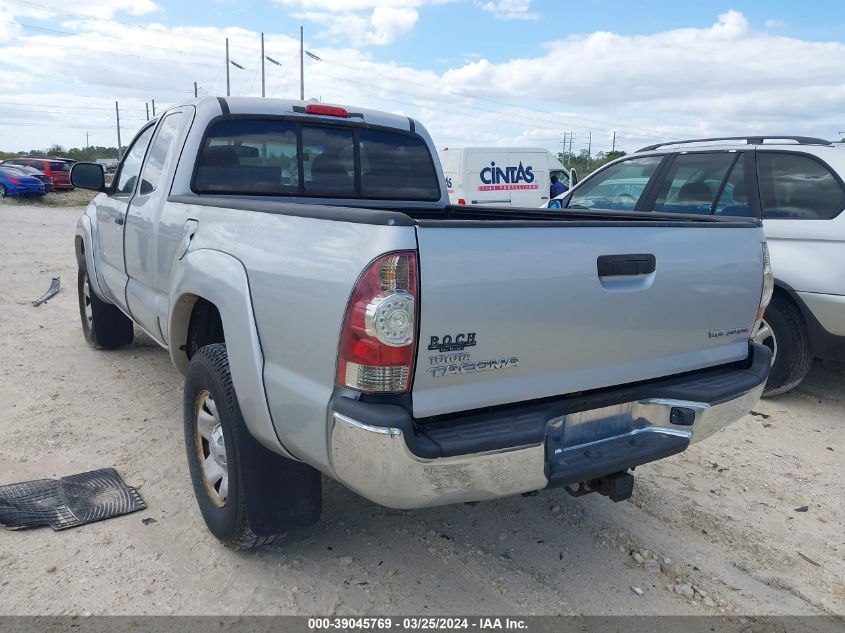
x: 734, y: 198
x: 396, y: 166
x: 158, y: 152
x: 328, y: 161
x: 250, y: 157
x: 260, y: 157
x: 132, y: 163
x: 798, y: 187
x: 692, y: 182
x: 58, y: 165
x: 616, y: 188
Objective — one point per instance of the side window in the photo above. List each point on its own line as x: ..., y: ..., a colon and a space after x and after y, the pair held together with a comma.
x: 797, y: 187
x: 131, y: 166
x: 616, y: 188
x: 248, y: 157
x: 734, y: 198
x: 328, y: 164
x: 158, y: 153
x: 692, y: 182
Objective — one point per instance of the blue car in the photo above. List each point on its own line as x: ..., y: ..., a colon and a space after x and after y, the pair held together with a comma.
x: 13, y: 183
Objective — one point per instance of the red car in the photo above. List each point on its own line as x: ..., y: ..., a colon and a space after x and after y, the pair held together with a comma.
x: 57, y: 170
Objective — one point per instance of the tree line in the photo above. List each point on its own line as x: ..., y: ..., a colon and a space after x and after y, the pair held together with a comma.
x: 583, y: 163
x: 88, y: 154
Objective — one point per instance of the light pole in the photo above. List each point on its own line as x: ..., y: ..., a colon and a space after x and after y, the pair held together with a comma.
x: 302, y: 54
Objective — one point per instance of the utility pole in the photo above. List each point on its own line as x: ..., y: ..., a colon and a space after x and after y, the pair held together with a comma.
x: 569, y: 156
x: 301, y: 65
x: 262, y: 65
x: 154, y: 107
x: 117, y: 116
x: 228, y: 92
x: 563, y: 148
x: 87, y: 144
x: 147, y: 106
x: 614, y: 141
x: 590, y: 147
x: 195, y: 90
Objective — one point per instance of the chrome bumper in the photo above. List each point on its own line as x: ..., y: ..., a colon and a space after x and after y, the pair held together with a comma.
x: 376, y: 462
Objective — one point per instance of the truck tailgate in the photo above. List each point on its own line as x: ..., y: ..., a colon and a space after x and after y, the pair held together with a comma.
x: 510, y: 313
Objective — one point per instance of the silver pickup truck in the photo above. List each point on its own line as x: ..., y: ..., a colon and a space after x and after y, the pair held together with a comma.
x: 332, y: 313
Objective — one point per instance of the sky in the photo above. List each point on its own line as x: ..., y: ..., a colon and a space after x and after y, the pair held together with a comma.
x: 474, y: 72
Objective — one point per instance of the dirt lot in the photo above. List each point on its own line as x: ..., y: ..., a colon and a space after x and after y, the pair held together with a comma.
x: 722, y: 517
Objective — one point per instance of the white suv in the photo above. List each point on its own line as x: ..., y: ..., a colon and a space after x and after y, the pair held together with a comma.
x: 795, y: 184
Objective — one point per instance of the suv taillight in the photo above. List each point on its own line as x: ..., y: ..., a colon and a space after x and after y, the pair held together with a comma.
x: 768, y: 289
x: 377, y: 343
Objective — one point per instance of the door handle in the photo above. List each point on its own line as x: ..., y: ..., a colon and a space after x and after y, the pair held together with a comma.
x: 190, y: 230
x: 621, y: 265
x: 119, y: 221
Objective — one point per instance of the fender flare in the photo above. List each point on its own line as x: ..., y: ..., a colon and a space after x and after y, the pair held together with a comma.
x: 221, y: 279
x: 85, y: 232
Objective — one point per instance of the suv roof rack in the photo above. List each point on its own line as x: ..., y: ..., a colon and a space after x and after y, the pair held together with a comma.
x: 750, y: 140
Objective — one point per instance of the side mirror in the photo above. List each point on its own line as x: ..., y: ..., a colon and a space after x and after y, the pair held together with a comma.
x: 554, y: 204
x: 573, y: 178
x: 88, y: 176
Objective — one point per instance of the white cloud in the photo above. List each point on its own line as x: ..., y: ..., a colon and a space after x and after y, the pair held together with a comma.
x: 362, y: 22
x: 773, y: 24
x: 723, y: 79
x: 382, y: 26
x: 47, y: 9
x: 509, y: 9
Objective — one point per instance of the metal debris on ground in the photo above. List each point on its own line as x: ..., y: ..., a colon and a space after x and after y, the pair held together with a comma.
x: 637, y: 591
x: 52, y: 291
x: 67, y: 502
x: 802, y: 509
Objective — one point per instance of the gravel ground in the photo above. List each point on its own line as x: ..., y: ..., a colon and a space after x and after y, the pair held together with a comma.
x: 714, y: 530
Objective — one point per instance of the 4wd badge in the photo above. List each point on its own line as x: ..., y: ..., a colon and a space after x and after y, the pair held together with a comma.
x: 449, y: 343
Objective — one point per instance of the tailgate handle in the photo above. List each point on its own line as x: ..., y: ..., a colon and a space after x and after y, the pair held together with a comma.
x: 620, y: 265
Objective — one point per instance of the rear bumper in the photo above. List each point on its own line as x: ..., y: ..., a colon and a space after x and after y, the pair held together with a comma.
x: 377, y: 451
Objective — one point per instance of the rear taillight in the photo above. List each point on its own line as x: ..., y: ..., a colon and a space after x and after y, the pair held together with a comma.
x: 14, y: 181
x: 461, y: 201
x: 377, y: 343
x: 768, y: 289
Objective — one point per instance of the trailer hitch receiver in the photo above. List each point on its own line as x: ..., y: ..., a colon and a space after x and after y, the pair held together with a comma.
x: 617, y: 487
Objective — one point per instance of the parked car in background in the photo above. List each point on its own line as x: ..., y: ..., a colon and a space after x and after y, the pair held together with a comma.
x: 15, y: 184
x: 56, y: 169
x: 34, y: 173
x: 109, y: 164
x: 795, y: 184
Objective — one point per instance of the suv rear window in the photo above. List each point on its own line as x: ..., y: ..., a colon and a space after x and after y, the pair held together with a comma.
x: 278, y: 157
x: 57, y: 165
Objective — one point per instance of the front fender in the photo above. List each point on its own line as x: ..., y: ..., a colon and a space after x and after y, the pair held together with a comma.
x: 221, y: 279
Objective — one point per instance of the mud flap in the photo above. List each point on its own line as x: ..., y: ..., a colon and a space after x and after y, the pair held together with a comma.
x: 280, y: 494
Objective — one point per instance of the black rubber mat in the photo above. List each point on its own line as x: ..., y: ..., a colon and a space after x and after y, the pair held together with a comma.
x: 67, y: 502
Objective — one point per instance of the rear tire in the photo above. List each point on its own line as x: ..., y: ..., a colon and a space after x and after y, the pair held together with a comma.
x: 103, y: 324
x: 247, y: 495
x: 785, y: 333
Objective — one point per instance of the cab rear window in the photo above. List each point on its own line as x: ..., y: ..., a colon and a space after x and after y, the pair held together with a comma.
x: 278, y: 157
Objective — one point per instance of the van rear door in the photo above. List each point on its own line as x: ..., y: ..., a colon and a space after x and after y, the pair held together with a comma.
x: 529, y: 176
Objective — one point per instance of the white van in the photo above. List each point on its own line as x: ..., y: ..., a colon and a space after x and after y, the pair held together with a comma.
x: 503, y: 176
